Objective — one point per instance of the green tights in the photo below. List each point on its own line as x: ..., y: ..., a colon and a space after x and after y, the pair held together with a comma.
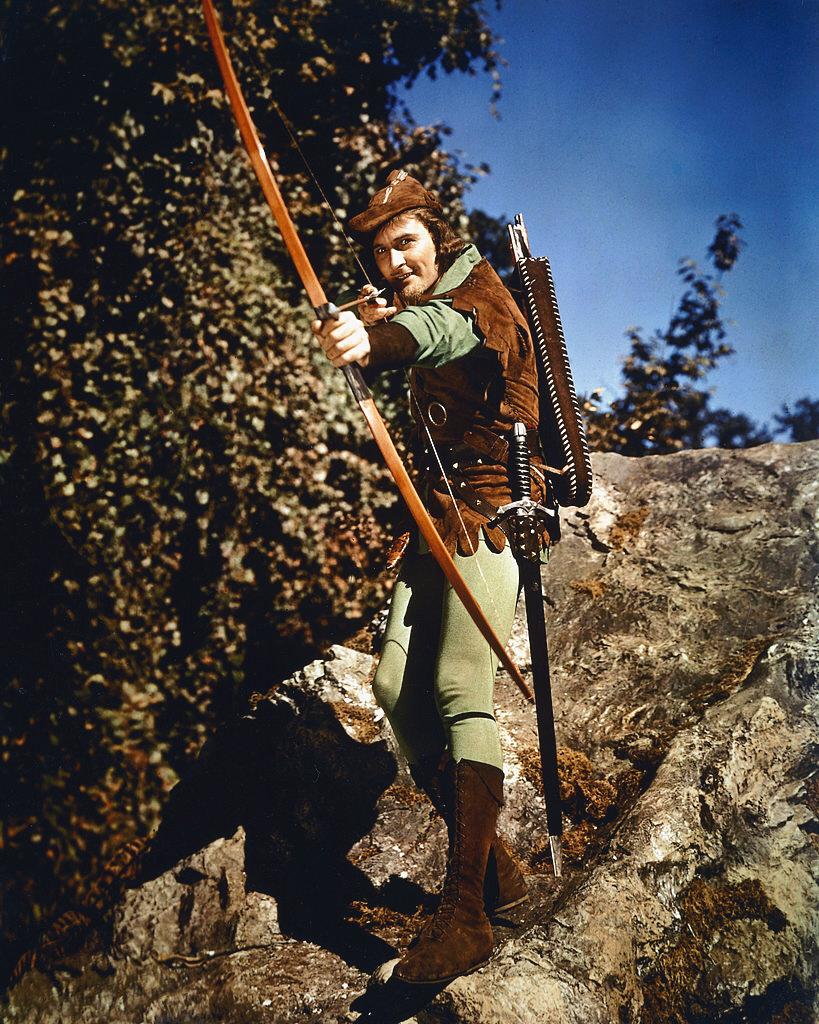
x: 436, y: 674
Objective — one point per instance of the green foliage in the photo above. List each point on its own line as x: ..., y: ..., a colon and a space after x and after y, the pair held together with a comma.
x: 194, y: 504
x: 728, y: 429
x: 663, y: 408
x: 800, y: 422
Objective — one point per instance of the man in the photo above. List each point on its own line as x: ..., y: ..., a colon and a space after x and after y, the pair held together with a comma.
x: 472, y: 376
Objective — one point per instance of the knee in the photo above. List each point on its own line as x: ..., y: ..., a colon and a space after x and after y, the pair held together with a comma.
x: 464, y: 692
x: 387, y: 682
x: 384, y: 692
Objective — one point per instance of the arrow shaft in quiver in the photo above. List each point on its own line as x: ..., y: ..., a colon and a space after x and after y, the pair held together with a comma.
x: 562, y: 434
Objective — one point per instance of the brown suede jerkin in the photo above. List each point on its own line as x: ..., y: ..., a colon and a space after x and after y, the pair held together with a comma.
x: 483, y: 394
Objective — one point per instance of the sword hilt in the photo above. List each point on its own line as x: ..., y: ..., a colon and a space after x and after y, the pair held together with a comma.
x: 522, y: 520
x: 519, y: 470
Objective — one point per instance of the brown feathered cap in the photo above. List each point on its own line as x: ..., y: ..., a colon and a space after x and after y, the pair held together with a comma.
x: 402, y: 192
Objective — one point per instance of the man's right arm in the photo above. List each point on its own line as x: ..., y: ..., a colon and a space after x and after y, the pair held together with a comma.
x: 392, y: 347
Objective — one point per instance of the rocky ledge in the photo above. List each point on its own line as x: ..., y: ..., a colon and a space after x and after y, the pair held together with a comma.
x: 297, y: 856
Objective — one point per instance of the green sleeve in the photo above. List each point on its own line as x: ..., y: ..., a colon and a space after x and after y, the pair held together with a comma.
x: 441, y: 333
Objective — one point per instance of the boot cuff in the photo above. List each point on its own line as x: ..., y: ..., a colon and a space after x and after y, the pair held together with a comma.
x: 489, y: 775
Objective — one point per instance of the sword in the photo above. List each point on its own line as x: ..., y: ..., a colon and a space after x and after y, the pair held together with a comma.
x: 523, y: 520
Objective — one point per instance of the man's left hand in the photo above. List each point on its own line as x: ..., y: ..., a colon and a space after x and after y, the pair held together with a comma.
x: 344, y: 339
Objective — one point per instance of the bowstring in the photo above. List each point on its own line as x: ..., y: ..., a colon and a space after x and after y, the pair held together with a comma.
x: 253, y: 59
x: 285, y: 120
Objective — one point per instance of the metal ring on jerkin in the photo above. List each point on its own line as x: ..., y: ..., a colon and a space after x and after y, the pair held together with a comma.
x: 436, y: 418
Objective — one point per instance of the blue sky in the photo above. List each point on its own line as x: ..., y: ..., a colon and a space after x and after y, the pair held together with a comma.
x: 626, y: 128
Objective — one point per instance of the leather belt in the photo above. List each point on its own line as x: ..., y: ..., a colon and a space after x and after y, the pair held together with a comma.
x: 495, y: 447
x: 480, y: 444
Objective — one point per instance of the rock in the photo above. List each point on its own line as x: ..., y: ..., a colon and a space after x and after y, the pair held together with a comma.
x: 383, y: 973
x: 298, y: 857
x: 201, y: 906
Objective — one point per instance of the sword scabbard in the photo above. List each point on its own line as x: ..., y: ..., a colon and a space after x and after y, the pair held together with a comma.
x: 522, y: 520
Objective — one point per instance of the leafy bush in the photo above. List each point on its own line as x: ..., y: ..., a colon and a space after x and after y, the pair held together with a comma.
x: 194, y: 504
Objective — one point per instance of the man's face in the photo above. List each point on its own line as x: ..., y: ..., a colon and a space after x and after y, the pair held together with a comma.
x: 405, y: 254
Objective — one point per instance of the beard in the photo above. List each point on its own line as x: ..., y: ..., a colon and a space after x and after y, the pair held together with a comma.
x: 414, y: 295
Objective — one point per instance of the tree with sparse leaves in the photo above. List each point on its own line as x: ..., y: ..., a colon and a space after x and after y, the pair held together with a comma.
x: 664, y: 407
x: 800, y: 421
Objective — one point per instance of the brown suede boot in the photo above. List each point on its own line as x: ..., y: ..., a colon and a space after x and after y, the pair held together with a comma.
x: 504, y: 886
x: 459, y: 938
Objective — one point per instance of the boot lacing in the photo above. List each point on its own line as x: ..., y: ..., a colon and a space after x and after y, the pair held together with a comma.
x: 451, y: 890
